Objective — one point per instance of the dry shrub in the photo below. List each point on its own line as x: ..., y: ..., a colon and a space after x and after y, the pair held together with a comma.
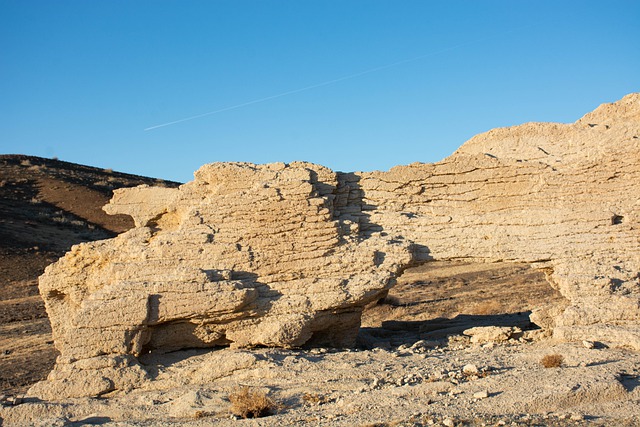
x: 247, y: 403
x: 552, y: 361
x: 487, y: 307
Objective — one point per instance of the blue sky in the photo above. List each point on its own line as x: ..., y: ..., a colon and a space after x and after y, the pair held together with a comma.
x: 82, y: 80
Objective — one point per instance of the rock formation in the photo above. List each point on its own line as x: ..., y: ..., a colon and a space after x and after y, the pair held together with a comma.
x: 244, y: 255
x: 564, y: 197
x: 287, y: 255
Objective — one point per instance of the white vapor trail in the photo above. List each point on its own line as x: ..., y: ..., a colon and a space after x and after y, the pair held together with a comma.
x: 325, y: 83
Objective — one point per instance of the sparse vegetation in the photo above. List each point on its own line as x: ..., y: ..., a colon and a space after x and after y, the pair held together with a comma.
x: 488, y: 307
x: 552, y: 361
x: 248, y: 403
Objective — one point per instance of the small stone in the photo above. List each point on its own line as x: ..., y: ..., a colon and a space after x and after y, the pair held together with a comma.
x: 470, y: 369
x: 588, y: 344
x: 448, y: 422
x: 481, y: 394
x: 15, y: 400
x: 455, y: 392
x: 577, y: 417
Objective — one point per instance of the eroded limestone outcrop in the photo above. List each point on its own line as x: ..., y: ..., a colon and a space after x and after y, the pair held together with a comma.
x: 244, y: 255
x: 287, y: 255
x: 564, y: 197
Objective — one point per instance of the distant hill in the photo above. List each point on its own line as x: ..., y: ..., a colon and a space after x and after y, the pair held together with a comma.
x: 46, y: 206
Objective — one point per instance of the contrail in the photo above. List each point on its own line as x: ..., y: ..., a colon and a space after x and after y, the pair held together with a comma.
x: 329, y: 82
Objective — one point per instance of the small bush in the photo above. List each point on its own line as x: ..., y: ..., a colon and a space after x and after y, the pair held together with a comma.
x: 247, y: 403
x: 552, y: 361
x: 487, y: 308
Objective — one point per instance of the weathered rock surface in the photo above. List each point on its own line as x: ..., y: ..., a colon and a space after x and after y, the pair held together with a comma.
x: 564, y: 197
x: 244, y: 255
x: 284, y: 255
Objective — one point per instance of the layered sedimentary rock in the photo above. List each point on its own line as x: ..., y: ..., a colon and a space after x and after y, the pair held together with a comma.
x: 564, y: 197
x: 287, y: 255
x: 244, y: 255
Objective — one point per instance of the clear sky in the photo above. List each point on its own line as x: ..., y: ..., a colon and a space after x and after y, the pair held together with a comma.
x: 350, y: 84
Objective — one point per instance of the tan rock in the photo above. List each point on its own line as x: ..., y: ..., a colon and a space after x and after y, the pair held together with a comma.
x: 496, y: 334
x: 244, y: 255
x: 287, y: 255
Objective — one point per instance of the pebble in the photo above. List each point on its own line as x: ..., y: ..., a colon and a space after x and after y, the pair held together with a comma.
x: 470, y: 369
x: 448, y: 422
x: 455, y: 392
x: 481, y: 394
x: 15, y: 400
x: 588, y: 344
x: 577, y: 417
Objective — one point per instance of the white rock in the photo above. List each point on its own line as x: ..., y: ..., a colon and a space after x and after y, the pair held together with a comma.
x: 481, y: 394
x: 470, y: 369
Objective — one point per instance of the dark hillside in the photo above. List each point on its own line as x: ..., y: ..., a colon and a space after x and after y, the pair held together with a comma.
x: 46, y: 206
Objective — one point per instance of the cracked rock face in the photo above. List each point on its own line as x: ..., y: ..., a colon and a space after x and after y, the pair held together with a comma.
x: 287, y: 255
x: 244, y: 255
x: 564, y: 197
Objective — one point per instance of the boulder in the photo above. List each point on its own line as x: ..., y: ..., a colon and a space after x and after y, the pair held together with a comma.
x: 243, y: 256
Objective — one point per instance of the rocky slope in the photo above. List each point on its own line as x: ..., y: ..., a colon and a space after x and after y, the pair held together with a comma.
x: 46, y: 206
